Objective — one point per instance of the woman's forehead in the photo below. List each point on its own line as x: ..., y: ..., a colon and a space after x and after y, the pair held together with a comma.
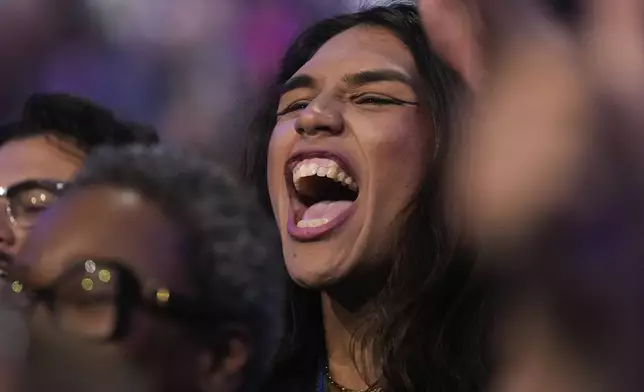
x: 358, y: 49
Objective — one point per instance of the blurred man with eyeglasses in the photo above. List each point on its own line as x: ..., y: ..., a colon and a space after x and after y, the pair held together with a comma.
x: 162, y: 259
x: 43, y: 150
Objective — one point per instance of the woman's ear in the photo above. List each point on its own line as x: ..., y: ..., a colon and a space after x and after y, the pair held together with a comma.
x: 221, y: 367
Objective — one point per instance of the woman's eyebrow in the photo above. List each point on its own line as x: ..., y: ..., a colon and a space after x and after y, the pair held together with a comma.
x: 377, y: 75
x: 297, y: 81
x: 353, y: 79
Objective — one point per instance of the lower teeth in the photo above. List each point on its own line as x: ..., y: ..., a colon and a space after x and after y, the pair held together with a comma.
x: 312, y: 222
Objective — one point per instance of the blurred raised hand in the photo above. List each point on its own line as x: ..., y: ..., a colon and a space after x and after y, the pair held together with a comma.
x: 546, y: 168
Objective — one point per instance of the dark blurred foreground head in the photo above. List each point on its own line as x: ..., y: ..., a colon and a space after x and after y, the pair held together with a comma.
x: 161, y: 260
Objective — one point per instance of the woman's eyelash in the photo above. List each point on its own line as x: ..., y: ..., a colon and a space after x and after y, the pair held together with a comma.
x: 380, y: 100
x: 299, y: 105
x: 371, y: 99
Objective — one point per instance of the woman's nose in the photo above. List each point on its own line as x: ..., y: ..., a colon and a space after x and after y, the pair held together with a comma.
x: 320, y: 117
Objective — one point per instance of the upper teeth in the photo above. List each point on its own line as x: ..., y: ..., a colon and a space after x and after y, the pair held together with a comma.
x: 322, y: 168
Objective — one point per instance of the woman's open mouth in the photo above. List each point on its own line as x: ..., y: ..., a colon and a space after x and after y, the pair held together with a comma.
x: 323, y: 192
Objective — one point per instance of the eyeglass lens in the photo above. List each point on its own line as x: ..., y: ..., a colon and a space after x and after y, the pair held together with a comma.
x: 27, y: 204
x: 83, y: 302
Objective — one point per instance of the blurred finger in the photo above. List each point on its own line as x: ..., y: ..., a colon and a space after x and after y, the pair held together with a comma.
x: 454, y: 29
x: 615, y: 32
x: 615, y: 56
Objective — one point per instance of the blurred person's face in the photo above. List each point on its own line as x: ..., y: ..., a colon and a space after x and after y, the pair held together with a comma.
x: 106, y: 264
x: 39, y: 159
x: 349, y: 150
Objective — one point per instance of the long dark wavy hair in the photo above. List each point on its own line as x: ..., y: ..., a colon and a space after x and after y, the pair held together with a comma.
x: 428, y: 324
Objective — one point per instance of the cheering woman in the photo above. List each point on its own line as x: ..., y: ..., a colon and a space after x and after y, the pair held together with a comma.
x: 348, y: 155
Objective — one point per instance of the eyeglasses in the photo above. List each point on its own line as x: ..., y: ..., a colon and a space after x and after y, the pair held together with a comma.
x: 28, y: 199
x: 95, y: 299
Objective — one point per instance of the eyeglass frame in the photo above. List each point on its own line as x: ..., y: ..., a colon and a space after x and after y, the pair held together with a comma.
x: 9, y: 192
x: 131, y: 293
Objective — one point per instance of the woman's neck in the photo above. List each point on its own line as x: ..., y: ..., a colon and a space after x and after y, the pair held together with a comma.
x: 343, y: 355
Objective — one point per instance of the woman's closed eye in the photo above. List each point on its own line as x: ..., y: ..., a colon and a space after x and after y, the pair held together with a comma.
x: 293, y: 107
x: 379, y: 100
x: 360, y: 99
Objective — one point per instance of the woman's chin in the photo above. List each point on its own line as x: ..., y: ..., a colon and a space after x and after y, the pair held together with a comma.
x: 316, y: 280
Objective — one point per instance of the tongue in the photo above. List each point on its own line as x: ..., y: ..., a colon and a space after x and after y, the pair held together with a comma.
x: 326, y: 210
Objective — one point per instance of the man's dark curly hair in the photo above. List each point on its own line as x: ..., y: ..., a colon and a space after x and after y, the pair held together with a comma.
x: 78, y: 120
x: 233, y: 253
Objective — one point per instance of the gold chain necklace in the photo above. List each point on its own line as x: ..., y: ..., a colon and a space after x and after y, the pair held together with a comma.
x: 327, y: 375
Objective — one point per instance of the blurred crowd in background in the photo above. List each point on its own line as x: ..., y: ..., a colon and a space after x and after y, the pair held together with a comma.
x: 189, y: 67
